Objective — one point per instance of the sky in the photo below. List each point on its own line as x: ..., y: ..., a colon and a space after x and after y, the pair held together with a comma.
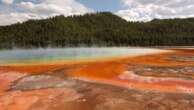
x: 13, y: 11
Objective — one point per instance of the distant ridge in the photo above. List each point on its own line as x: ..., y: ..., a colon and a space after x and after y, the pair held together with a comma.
x: 97, y: 29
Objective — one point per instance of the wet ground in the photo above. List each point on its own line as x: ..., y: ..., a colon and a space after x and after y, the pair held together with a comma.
x: 44, y: 92
x: 151, y: 82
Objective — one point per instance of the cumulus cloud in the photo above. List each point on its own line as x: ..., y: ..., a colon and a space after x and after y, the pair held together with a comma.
x: 11, y: 18
x: 46, y: 8
x: 145, y: 10
x: 7, y: 2
x: 12, y: 11
x: 53, y: 7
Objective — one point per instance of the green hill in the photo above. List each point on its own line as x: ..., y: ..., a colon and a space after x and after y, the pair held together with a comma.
x: 99, y: 29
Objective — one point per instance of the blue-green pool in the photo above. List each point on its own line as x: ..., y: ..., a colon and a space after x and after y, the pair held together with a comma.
x: 67, y: 54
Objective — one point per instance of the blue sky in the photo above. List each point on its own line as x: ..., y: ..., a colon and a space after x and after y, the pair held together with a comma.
x: 103, y: 5
x: 13, y: 11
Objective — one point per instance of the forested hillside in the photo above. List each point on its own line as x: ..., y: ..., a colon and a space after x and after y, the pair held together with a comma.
x: 99, y: 29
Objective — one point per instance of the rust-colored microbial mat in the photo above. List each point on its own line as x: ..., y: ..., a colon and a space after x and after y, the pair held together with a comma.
x: 163, y: 81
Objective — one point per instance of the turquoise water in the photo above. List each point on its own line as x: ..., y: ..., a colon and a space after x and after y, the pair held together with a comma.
x: 67, y: 54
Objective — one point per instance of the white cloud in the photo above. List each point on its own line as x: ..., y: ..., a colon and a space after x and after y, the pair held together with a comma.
x: 145, y: 10
x: 7, y: 1
x: 134, y: 10
x: 11, y: 18
x: 53, y: 7
x: 44, y: 9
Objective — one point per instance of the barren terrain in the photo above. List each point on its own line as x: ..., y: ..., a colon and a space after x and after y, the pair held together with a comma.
x: 162, y: 81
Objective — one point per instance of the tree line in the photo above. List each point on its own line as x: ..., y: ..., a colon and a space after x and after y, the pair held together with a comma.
x: 97, y: 29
